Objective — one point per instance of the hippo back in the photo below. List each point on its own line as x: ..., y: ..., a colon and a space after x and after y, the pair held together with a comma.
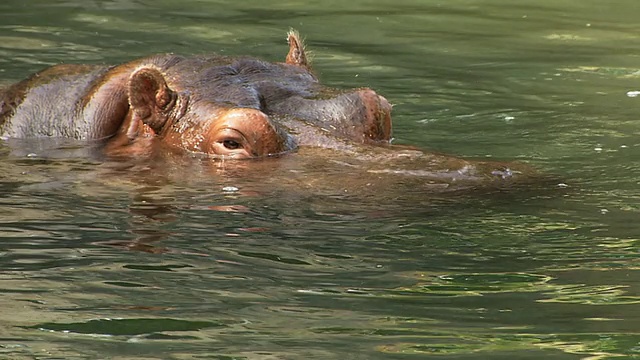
x: 48, y: 103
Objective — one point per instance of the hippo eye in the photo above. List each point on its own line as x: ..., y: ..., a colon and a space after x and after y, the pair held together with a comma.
x: 231, y: 144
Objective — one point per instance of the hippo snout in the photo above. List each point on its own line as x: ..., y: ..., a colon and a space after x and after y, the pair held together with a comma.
x: 376, y: 115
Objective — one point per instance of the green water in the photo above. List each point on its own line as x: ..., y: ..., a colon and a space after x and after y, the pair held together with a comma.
x: 185, y: 260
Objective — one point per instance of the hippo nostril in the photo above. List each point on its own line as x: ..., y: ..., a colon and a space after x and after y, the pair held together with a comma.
x: 377, y: 116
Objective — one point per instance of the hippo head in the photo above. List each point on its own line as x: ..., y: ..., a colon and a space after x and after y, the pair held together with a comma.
x: 246, y: 108
x: 198, y: 124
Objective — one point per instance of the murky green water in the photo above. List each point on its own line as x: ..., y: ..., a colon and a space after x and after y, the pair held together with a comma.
x: 168, y: 261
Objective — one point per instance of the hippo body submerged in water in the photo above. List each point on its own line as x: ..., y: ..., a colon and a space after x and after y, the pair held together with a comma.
x: 225, y: 107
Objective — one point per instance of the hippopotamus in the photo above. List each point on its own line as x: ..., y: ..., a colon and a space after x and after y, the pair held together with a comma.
x: 223, y: 107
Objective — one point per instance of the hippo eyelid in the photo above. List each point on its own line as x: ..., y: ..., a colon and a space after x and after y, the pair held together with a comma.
x: 231, y: 134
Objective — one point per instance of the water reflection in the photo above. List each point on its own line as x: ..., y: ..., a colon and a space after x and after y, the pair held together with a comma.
x: 181, y: 258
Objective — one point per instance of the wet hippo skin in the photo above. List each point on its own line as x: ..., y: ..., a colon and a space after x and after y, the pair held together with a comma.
x: 225, y: 107
x: 231, y: 107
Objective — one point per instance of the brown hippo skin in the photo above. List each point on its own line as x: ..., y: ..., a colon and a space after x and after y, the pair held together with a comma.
x: 230, y: 107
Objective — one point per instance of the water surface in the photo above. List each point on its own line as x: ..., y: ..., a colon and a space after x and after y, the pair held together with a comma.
x: 184, y: 259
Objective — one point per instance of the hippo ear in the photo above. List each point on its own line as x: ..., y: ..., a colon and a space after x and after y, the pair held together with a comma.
x: 150, y: 98
x: 296, y: 55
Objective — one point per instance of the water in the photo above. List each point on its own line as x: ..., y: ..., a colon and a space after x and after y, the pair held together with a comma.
x: 182, y: 259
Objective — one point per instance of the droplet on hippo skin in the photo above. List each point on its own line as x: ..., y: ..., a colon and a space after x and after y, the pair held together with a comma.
x: 230, y: 189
